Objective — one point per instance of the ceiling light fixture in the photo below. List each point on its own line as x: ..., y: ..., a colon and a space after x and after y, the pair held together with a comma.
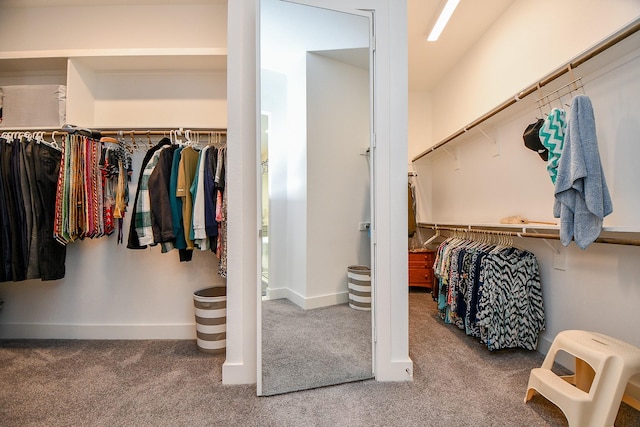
x: 446, y: 13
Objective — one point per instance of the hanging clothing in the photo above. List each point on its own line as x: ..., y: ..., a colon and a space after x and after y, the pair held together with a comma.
x: 221, y: 180
x: 552, y: 136
x: 411, y: 209
x: 181, y: 203
x: 132, y: 241
x: 160, y: 204
x: 198, y: 234
x: 88, y: 190
x: 28, y: 180
x: 491, y: 292
x: 186, y: 175
x: 142, y: 219
x: 581, y: 192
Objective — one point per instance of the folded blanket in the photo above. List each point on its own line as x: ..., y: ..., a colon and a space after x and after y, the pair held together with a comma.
x: 582, y: 197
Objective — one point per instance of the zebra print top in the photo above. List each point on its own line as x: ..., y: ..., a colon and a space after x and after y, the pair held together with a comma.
x: 492, y: 292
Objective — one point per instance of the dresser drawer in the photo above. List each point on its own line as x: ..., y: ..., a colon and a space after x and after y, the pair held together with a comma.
x: 421, y: 268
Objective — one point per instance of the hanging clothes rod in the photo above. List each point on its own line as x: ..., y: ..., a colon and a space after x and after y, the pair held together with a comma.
x: 615, y: 38
x: 525, y: 234
x: 124, y: 132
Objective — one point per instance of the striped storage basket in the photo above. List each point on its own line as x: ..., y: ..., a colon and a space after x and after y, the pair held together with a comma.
x: 211, y: 319
x: 359, y: 282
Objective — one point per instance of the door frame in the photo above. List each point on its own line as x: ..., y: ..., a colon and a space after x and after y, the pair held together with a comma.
x: 392, y: 361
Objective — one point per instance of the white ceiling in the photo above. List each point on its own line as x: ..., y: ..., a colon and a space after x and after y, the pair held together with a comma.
x: 429, y: 61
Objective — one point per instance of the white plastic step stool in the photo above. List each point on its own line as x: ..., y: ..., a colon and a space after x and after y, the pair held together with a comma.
x: 591, y: 397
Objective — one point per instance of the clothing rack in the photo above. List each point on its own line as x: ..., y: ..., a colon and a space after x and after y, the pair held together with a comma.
x: 125, y: 132
x: 556, y: 95
x: 523, y: 233
x: 612, y: 40
x: 217, y: 136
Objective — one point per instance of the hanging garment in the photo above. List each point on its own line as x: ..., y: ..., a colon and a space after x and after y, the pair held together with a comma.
x: 132, y: 241
x: 552, y: 136
x: 33, y: 269
x: 159, y: 194
x: 86, y: 193
x: 181, y: 203
x: 176, y: 209
x: 491, y: 292
x: 199, y: 235
x: 186, y: 175
x: 142, y: 218
x: 211, y: 225
x: 221, y: 179
x: 582, y: 197
x: 411, y: 211
x: 51, y: 254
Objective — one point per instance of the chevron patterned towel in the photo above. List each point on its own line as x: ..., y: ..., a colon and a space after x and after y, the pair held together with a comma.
x: 582, y: 196
x: 552, y: 136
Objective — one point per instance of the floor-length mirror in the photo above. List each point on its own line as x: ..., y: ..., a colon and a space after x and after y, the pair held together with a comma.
x: 315, y: 101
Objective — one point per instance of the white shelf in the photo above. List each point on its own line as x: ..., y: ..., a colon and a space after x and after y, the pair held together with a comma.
x: 130, y: 88
x: 521, y: 227
x: 491, y: 225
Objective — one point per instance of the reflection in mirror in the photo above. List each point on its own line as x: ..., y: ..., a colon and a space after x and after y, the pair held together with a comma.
x: 315, y: 101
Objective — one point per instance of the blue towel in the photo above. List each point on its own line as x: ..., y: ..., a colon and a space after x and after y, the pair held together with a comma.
x: 582, y: 197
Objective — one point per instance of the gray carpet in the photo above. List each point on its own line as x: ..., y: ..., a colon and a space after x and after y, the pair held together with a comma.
x: 457, y: 382
x: 321, y: 347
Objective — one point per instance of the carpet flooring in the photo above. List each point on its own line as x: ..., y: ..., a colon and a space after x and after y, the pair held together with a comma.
x: 304, y: 349
x: 457, y: 382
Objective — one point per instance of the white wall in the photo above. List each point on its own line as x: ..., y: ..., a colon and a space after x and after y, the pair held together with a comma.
x: 526, y: 43
x: 599, y: 290
x: 420, y: 128
x: 338, y: 176
x: 110, y: 291
x: 288, y: 32
x: 93, y: 26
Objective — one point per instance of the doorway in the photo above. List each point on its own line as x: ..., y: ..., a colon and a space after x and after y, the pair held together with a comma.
x: 316, y: 91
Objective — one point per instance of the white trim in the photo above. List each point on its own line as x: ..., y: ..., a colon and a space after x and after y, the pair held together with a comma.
x: 82, y: 53
x: 308, y: 303
x: 390, y: 276
x: 240, y: 364
x: 97, y: 332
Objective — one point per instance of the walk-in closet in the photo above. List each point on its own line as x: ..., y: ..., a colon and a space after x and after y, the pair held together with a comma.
x: 288, y: 154
x: 133, y: 83
x: 478, y: 181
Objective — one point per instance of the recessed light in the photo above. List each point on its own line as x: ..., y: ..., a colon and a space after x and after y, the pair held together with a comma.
x: 446, y: 13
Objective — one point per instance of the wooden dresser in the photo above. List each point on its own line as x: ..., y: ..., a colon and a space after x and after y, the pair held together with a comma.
x: 421, y: 267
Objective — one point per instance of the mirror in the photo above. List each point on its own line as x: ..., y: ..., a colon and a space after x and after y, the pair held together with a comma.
x: 316, y: 175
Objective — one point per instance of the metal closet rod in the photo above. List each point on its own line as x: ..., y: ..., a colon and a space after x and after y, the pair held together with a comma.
x: 567, y: 68
x: 547, y: 236
x: 135, y: 131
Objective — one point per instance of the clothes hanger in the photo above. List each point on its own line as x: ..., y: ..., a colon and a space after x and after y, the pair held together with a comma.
x: 432, y: 238
x: 52, y: 143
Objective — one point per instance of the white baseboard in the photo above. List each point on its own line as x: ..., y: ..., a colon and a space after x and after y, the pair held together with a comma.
x: 96, y: 332
x: 237, y: 373
x: 396, y: 370
x: 307, y: 303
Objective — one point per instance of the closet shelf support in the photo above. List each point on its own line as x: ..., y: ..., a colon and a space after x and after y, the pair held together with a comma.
x: 553, y: 248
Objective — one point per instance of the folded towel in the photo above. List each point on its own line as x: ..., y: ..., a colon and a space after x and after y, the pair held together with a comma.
x: 582, y: 197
